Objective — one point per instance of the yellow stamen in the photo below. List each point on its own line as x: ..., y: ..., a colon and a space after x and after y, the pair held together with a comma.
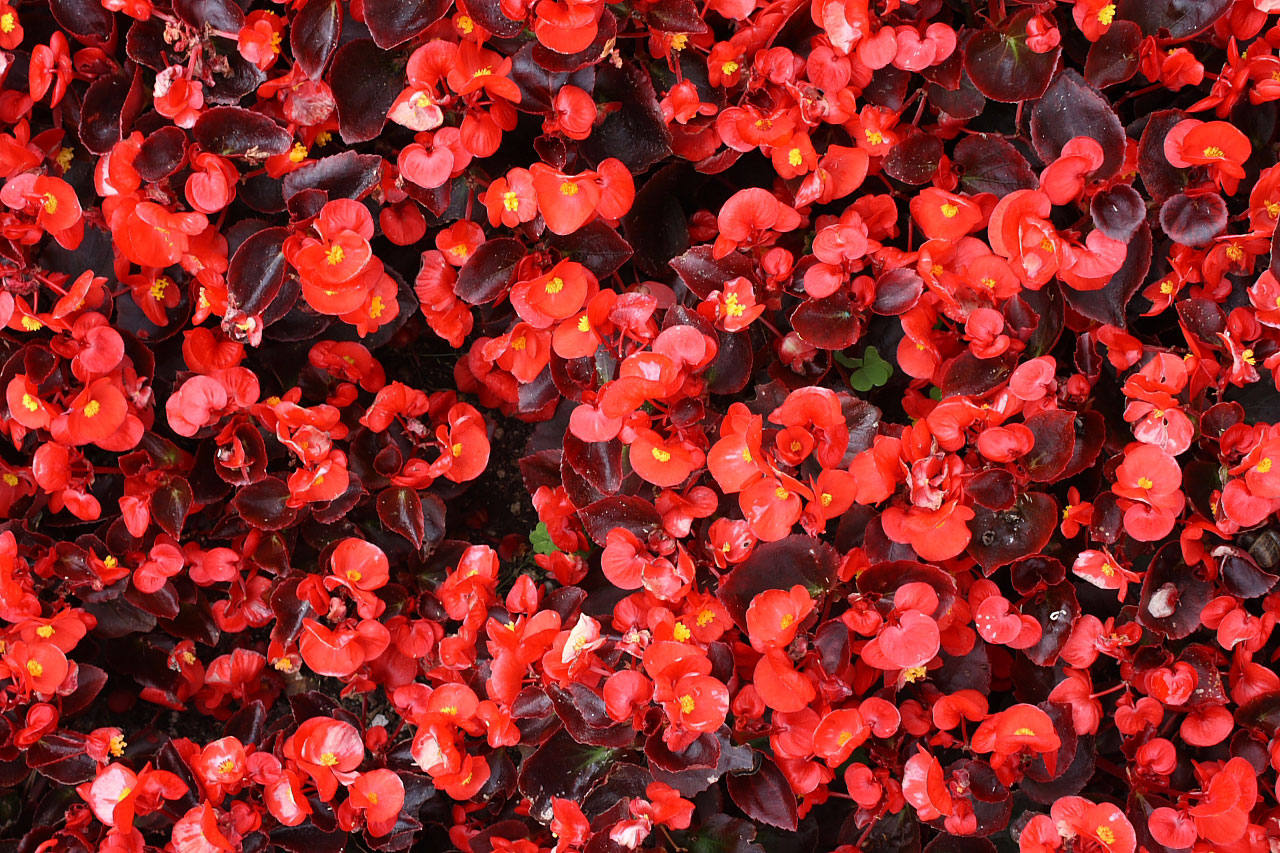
x: 555, y: 285
x: 1025, y: 732
x: 660, y: 454
x: 328, y: 759
x: 568, y: 188
x: 334, y: 256
x: 795, y: 157
x: 1213, y: 151
x: 875, y: 137
x: 466, y: 25
x: 950, y: 210
x: 50, y: 203
x: 729, y: 68
x: 1144, y: 483
x: 1107, y: 14
x: 29, y: 403
x: 681, y: 633
x: 914, y: 673
x: 92, y: 408
x: 8, y: 22
x: 1105, y: 833
x: 298, y: 152
x: 44, y: 632
x: 686, y: 704
x: 705, y: 618
x: 376, y: 307
x: 35, y: 668
x: 511, y: 201
x: 117, y: 745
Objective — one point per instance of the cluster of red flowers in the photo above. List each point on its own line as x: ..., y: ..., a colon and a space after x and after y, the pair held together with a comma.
x: 891, y: 384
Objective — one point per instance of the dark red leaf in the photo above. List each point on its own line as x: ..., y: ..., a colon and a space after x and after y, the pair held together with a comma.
x: 1003, y: 67
x: 257, y: 270
x: 394, y: 22
x: 766, y: 796
x: 1071, y: 108
x: 400, y: 510
x: 313, y: 36
x: 237, y: 132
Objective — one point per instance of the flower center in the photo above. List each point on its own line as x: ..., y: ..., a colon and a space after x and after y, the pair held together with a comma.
x: 705, y: 617
x: 914, y: 673
x: 1107, y: 14
x: 298, y: 152
x: 376, y: 307
x: 50, y: 203
x: 1025, y: 732
x: 334, y: 256
x: 226, y: 766
x: 510, y: 200
x: 875, y: 137
x: 92, y: 408
x: 7, y: 22
x: 729, y: 68
x: 1105, y: 833
x: 686, y: 704
x: 661, y: 455
x: 584, y: 324
x: 568, y: 188
x: 786, y: 621
x: 950, y: 211
x: 555, y: 285
x: 1144, y: 483
x: 1213, y: 151
x: 1264, y: 465
x: 29, y: 403
x: 680, y: 632
x: 328, y: 759
x: 794, y: 157
x: 44, y: 632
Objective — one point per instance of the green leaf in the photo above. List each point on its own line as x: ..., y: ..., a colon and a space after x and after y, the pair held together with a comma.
x: 540, y: 539
x: 872, y: 372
